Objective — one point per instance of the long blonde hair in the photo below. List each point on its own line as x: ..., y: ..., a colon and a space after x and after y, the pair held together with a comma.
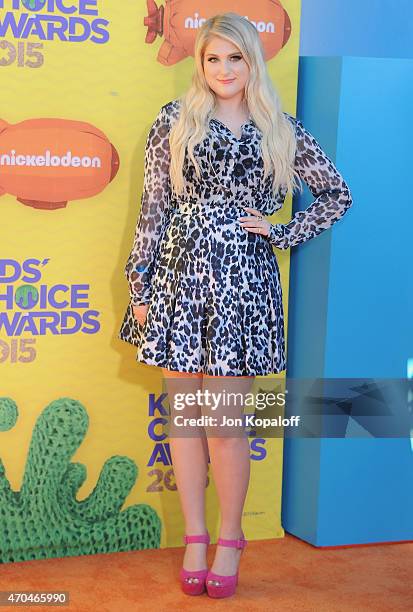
x: 197, y: 105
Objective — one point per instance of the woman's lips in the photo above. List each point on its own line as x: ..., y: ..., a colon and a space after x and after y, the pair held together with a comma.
x: 227, y: 81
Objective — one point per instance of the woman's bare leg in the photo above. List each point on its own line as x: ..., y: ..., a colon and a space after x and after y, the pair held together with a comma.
x: 230, y: 463
x: 190, y: 465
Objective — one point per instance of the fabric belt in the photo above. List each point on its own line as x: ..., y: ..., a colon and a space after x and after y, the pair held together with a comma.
x: 222, y: 209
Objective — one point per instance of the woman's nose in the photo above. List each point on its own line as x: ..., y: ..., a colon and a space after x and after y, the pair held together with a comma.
x: 225, y: 69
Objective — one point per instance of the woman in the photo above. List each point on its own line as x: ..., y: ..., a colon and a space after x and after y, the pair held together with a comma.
x: 206, y: 300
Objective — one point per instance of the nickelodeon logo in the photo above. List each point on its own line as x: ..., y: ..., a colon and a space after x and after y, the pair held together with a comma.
x: 48, y: 159
x: 262, y: 26
x: 47, y: 162
x: 178, y: 22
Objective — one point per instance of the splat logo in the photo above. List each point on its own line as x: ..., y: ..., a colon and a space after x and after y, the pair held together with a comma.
x: 77, y: 21
x: 31, y: 308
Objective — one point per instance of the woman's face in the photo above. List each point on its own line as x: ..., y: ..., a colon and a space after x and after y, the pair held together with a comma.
x: 225, y: 69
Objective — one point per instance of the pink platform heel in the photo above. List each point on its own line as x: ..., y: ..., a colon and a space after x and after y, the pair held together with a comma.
x: 224, y: 586
x: 193, y: 581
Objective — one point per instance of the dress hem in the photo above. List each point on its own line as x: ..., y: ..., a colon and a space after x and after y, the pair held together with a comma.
x: 152, y: 362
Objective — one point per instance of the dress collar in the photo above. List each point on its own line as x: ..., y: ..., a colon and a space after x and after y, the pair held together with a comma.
x: 247, y: 128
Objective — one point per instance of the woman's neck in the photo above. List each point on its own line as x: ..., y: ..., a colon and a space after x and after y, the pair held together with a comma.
x: 231, y: 108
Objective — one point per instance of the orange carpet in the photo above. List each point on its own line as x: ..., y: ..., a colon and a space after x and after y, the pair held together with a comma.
x: 282, y: 574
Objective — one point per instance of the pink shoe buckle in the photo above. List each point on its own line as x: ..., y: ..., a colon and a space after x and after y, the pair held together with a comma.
x: 194, y: 539
x: 240, y: 543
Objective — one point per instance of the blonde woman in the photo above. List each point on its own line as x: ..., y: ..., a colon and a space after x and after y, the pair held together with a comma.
x: 206, y: 299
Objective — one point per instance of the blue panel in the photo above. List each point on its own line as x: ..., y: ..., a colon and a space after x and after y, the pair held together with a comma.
x: 366, y: 492
x: 350, y: 299
x: 370, y: 293
x: 300, y: 492
x: 310, y: 262
x: 376, y: 28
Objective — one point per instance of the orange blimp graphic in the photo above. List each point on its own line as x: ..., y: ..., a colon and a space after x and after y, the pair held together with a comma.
x: 179, y: 20
x: 46, y: 163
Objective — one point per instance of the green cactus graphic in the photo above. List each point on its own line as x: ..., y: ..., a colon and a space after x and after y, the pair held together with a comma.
x: 44, y: 519
x: 8, y: 414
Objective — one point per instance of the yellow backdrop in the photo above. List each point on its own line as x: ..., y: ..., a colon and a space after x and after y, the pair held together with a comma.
x: 78, y: 101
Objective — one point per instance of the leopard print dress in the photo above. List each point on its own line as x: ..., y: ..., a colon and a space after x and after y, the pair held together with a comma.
x: 213, y: 288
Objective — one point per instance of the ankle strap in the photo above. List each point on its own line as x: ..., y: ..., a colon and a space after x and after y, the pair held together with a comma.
x: 193, y: 539
x: 240, y: 543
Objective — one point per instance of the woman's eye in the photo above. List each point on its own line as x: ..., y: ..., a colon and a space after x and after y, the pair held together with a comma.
x: 234, y: 57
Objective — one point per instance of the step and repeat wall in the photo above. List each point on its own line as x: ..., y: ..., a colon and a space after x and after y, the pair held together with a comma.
x: 84, y: 467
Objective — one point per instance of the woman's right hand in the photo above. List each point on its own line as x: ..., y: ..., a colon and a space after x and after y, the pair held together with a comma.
x: 140, y: 313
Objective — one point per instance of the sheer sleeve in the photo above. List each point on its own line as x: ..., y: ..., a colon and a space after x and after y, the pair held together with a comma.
x: 155, y: 211
x: 333, y: 197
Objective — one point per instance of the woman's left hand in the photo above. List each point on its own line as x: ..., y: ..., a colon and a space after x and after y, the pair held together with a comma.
x: 255, y: 223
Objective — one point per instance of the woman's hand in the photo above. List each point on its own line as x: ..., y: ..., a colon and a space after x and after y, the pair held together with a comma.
x: 140, y: 313
x: 255, y: 222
